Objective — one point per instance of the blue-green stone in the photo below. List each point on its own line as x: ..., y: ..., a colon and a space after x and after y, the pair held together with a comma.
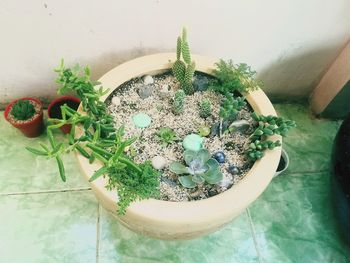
x: 141, y: 120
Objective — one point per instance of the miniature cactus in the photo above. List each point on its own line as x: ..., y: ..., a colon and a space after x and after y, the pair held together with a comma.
x: 184, y: 70
x: 205, y: 108
x: 178, y: 103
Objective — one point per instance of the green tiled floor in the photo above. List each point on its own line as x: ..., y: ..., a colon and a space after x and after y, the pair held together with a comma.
x: 44, y: 220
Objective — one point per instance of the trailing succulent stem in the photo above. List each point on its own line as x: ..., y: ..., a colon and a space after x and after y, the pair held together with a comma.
x: 201, y: 168
x: 231, y: 78
x: 205, y: 108
x: 179, y: 101
x: 183, y: 70
x: 98, y: 141
x: 267, y: 126
x: 22, y: 110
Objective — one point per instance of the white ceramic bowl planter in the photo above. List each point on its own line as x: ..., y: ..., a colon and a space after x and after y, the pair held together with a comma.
x: 184, y: 220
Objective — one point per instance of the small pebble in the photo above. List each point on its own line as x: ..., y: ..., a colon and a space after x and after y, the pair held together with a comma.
x: 219, y: 156
x: 141, y: 120
x: 158, y: 162
x: 145, y: 92
x: 148, y: 79
x: 116, y: 101
x: 204, y: 131
x: 193, y: 142
x: 164, y: 91
x: 233, y: 169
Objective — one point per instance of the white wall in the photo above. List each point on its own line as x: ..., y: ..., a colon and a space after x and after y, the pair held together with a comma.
x: 290, y: 43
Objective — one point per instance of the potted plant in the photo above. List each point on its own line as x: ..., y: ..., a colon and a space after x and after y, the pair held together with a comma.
x: 54, y: 109
x: 26, y: 114
x: 179, y: 148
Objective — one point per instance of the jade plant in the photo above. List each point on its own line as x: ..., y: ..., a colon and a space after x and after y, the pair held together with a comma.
x: 22, y: 110
x: 98, y: 140
x: 183, y: 70
x: 166, y: 136
x: 205, y: 108
x: 178, y: 102
x: 200, y: 169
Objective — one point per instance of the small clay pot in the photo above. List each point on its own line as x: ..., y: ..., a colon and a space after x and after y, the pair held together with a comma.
x: 31, y: 128
x: 54, y: 109
x: 283, y: 163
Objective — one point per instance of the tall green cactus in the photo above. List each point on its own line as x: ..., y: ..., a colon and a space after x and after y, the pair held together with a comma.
x: 184, y: 70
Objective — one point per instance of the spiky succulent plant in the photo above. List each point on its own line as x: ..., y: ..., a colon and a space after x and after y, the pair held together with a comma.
x: 178, y: 103
x: 166, y: 136
x: 183, y: 70
x: 205, y: 108
x: 22, y: 110
x: 201, y: 169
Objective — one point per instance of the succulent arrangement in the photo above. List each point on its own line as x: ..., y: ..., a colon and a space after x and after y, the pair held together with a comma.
x: 104, y: 140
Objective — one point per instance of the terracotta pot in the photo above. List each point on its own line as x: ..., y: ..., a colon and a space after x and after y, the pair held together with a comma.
x: 183, y: 220
x: 54, y: 109
x: 32, y: 128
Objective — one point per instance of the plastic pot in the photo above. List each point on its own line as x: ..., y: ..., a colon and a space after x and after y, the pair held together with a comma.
x: 32, y: 128
x: 54, y: 109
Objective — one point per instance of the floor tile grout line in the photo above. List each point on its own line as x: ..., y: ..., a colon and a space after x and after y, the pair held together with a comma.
x: 47, y: 191
x: 98, y: 231
x: 252, y: 230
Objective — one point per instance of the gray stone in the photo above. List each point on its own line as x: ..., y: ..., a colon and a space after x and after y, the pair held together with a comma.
x: 240, y: 126
x: 145, y: 91
x: 200, y: 83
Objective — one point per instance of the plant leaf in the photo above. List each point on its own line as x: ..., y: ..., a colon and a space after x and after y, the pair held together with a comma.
x: 61, y: 168
x: 203, y: 155
x: 178, y: 168
x: 189, y: 156
x: 37, y: 151
x: 98, y: 173
x: 198, y: 179
x: 186, y: 181
x: 213, y: 178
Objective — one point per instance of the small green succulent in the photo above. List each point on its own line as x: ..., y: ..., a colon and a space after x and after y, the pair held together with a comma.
x: 230, y: 107
x: 205, y: 108
x: 22, y: 110
x: 166, y: 136
x: 201, y: 169
x: 179, y: 101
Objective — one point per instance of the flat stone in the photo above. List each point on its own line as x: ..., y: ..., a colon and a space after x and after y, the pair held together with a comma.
x: 158, y: 162
x: 193, y: 142
x: 141, y: 120
x: 240, y: 125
